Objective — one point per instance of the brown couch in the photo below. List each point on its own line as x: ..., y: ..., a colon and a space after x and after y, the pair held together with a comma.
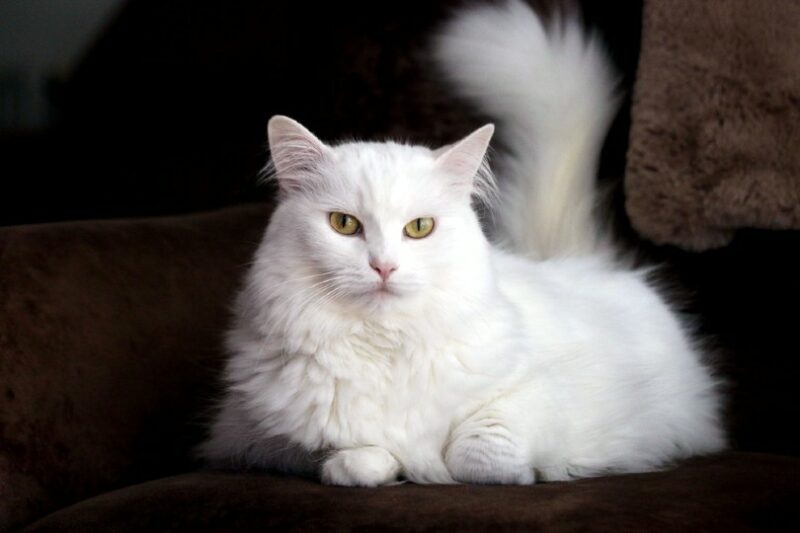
x: 110, y: 329
x: 109, y: 348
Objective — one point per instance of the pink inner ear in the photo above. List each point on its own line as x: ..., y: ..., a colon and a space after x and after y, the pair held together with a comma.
x: 464, y: 158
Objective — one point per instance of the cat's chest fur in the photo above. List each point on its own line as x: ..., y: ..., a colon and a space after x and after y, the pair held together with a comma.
x: 373, y: 384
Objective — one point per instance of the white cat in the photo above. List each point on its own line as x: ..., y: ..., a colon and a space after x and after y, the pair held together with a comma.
x: 380, y: 336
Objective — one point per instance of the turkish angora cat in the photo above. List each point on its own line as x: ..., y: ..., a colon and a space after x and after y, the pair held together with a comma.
x: 379, y: 335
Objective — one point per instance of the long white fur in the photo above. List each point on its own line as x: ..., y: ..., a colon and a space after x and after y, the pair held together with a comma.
x: 481, y: 365
x: 553, y: 92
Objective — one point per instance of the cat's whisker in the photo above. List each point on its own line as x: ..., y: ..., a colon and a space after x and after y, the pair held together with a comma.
x: 311, y: 295
x: 318, y: 290
x: 299, y: 281
x: 329, y: 296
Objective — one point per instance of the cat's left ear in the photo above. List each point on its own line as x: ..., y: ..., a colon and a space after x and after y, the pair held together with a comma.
x: 463, y: 159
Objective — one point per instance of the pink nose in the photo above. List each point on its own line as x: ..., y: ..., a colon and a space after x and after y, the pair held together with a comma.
x: 384, y: 270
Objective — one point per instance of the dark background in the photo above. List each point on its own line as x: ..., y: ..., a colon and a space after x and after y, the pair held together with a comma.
x: 166, y: 113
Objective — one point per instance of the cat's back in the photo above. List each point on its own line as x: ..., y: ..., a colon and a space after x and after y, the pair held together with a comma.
x: 590, y: 301
x: 606, y: 345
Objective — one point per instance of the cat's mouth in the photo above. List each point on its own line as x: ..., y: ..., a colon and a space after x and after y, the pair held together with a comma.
x: 383, y: 290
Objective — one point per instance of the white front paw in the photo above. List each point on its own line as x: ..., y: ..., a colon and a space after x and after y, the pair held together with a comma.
x: 369, y: 466
x: 487, y: 455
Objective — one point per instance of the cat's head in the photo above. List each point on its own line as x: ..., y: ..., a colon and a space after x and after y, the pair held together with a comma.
x: 378, y: 225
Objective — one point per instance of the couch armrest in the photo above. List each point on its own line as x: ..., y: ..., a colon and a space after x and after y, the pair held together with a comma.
x: 109, y: 347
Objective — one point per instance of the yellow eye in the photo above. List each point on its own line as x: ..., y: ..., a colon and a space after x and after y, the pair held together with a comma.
x: 345, y: 224
x: 419, y: 227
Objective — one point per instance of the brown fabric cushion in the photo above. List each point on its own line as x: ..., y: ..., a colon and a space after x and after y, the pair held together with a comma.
x: 729, y: 492
x: 714, y: 135
x: 109, y: 348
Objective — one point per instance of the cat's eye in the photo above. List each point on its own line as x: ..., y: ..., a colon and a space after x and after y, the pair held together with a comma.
x: 344, y: 223
x: 419, y: 227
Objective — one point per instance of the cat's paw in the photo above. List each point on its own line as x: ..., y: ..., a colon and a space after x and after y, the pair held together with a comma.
x: 369, y: 466
x: 487, y: 454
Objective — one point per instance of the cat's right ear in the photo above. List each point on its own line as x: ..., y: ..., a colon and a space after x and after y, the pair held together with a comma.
x: 297, y: 154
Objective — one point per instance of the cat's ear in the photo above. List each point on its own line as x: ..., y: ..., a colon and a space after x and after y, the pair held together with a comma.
x: 464, y: 159
x: 296, y: 152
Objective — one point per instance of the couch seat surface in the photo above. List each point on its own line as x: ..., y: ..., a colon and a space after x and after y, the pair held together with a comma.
x: 731, y: 491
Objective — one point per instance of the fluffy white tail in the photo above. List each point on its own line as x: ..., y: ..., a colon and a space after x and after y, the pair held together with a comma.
x: 552, y: 90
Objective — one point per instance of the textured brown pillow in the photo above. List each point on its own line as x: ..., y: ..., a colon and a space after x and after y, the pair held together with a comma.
x: 715, y: 137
